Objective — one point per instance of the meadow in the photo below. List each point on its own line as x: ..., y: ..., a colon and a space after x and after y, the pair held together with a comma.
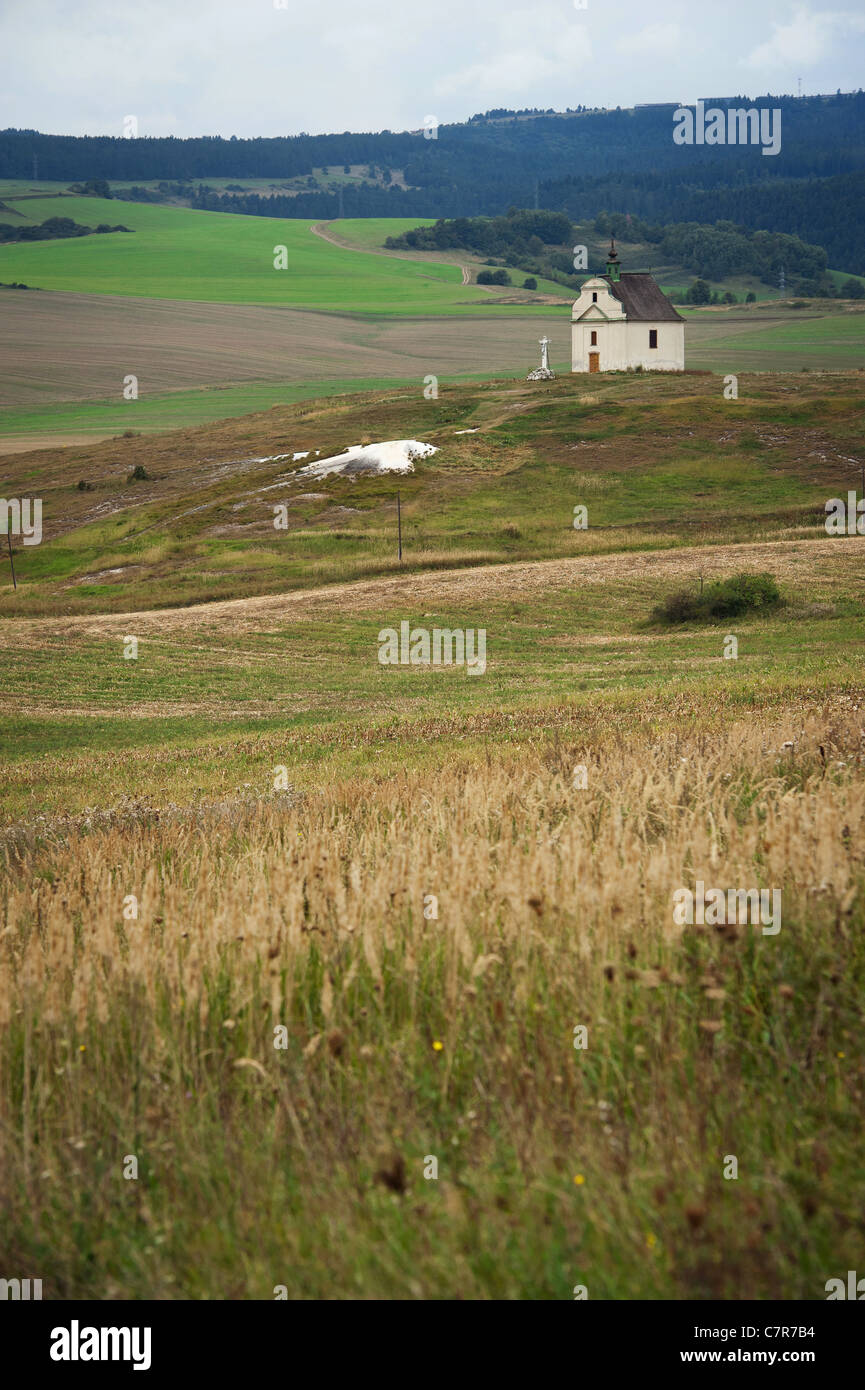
x: 190, y: 305
x: 214, y: 257
x: 363, y: 981
x: 297, y: 948
x: 659, y: 462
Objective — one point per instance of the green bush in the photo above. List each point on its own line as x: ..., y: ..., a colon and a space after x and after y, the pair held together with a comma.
x: 726, y: 598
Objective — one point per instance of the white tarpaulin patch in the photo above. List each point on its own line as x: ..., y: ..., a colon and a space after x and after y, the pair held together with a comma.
x: 391, y: 456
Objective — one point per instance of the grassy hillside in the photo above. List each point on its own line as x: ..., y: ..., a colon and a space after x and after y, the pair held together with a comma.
x: 287, y: 924
x: 659, y: 461
x: 177, y: 253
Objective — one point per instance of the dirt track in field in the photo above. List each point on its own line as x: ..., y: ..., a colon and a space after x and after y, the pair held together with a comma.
x: 794, y: 560
x: 61, y: 347
x: 326, y: 232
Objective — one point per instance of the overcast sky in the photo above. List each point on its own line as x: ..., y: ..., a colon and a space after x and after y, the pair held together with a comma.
x: 277, y: 67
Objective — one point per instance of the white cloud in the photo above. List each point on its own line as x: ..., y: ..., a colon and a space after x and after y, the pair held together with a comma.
x: 805, y: 41
x: 654, y: 41
x: 242, y: 67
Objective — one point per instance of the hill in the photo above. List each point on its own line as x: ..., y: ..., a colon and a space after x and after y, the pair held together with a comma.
x: 579, y: 162
x: 660, y: 461
x: 399, y: 941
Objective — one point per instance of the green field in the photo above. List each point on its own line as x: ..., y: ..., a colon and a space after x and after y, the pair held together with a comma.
x: 178, y: 253
x: 175, y: 409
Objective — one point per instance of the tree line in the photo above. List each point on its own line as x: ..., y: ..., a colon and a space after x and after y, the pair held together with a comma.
x: 542, y: 242
x: 578, y: 162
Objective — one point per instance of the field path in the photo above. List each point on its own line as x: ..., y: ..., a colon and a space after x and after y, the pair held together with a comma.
x: 322, y: 229
x: 792, y: 560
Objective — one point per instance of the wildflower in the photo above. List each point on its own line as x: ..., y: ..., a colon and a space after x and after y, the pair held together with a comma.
x: 437, y: 1046
x: 579, y: 1179
x: 651, y: 1240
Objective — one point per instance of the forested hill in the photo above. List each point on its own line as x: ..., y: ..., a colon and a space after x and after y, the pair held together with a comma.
x: 578, y: 162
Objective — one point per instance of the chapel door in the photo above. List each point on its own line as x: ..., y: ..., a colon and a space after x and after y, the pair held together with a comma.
x: 594, y: 360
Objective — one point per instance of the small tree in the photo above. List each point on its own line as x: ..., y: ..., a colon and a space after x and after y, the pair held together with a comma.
x: 852, y: 289
x: 750, y: 297
x: 530, y: 283
x: 699, y: 293
x: 730, y: 298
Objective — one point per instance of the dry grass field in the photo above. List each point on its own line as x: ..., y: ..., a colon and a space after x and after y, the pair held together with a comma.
x: 365, y: 981
x: 333, y: 1034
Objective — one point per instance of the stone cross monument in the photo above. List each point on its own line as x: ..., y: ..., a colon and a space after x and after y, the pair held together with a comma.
x: 543, y: 372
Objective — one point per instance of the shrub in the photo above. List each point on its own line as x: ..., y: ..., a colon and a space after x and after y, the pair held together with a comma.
x: 852, y: 289
x: 699, y: 293
x: 726, y: 598
x: 530, y: 283
x: 139, y: 474
x: 750, y: 297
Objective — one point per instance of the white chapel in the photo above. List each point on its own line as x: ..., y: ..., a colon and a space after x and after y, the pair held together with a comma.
x: 622, y: 321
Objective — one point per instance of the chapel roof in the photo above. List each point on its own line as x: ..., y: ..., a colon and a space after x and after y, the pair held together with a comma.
x: 642, y: 297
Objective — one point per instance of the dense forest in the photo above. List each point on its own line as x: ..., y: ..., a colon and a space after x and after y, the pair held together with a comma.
x: 541, y: 244
x: 577, y: 162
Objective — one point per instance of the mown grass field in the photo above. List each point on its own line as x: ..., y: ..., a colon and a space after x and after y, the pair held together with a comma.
x: 285, y: 925
x: 327, y: 985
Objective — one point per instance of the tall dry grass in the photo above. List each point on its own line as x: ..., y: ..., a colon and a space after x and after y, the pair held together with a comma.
x: 409, y: 1036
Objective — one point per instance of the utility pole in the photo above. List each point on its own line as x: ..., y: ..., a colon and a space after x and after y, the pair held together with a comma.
x: 399, y: 525
x: 11, y: 561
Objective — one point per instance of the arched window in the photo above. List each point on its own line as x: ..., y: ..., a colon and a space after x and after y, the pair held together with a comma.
x: 594, y: 342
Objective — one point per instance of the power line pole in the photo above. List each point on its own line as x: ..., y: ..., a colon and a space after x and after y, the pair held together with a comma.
x: 399, y: 525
